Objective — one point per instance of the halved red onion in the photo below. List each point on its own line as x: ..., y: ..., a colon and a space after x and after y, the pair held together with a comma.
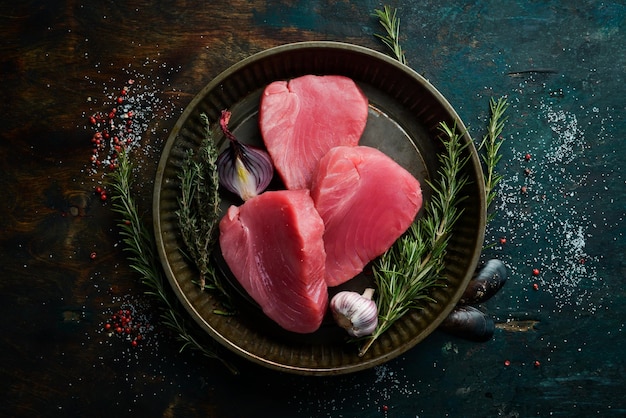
x: 243, y: 169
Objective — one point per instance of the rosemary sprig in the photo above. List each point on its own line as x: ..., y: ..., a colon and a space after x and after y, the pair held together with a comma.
x: 413, y: 265
x: 415, y: 262
x: 199, y: 209
x: 139, y: 242
x: 387, y: 18
x: 490, y: 147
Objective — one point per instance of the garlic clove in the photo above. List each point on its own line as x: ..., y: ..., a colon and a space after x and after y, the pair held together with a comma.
x: 354, y: 312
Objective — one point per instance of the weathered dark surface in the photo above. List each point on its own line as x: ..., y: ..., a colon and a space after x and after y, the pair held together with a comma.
x: 560, y: 64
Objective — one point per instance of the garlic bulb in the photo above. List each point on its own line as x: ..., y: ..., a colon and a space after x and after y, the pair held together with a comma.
x: 356, y: 313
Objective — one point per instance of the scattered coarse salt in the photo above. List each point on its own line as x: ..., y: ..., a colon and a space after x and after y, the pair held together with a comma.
x: 127, y: 114
x: 546, y: 221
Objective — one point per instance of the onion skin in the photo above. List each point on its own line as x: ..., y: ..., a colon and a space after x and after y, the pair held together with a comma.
x: 243, y: 169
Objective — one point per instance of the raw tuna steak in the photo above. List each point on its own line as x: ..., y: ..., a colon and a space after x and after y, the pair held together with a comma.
x: 273, y: 245
x: 301, y: 119
x: 367, y: 201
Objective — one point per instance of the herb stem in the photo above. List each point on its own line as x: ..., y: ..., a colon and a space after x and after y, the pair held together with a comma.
x: 414, y: 264
x: 139, y: 243
x: 388, y: 20
x: 490, y: 147
x: 199, y: 210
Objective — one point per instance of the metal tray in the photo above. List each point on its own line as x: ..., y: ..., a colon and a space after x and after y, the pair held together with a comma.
x: 403, y: 121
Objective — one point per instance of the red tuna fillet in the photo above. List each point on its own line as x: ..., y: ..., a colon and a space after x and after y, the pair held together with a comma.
x: 273, y: 245
x: 301, y: 119
x: 367, y: 201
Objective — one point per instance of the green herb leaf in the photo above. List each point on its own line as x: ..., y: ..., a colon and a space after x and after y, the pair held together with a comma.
x: 407, y: 272
x: 490, y: 148
x: 199, y: 211
x: 140, y: 245
x: 387, y: 18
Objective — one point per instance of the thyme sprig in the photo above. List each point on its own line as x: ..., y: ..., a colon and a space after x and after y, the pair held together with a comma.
x: 387, y: 18
x: 413, y: 265
x: 199, y: 210
x: 140, y: 245
x: 490, y: 148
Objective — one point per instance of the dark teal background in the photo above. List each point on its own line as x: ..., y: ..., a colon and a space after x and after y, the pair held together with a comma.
x: 562, y: 67
x: 570, y: 116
